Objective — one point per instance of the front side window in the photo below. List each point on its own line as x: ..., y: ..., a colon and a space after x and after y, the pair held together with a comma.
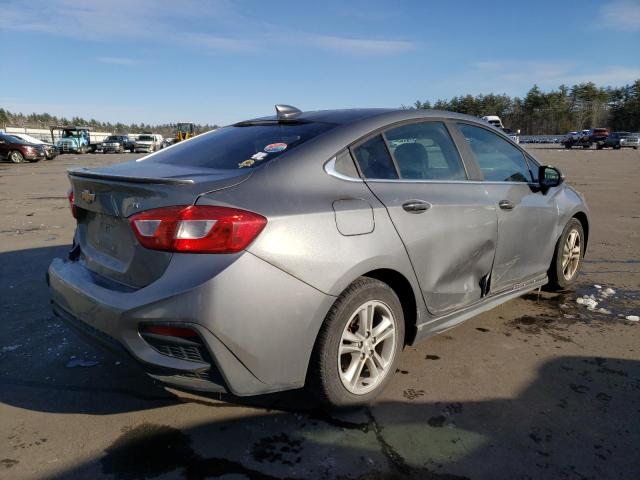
x: 425, y: 151
x: 498, y: 160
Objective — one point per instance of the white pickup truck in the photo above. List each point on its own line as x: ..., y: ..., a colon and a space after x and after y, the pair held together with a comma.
x: 497, y: 122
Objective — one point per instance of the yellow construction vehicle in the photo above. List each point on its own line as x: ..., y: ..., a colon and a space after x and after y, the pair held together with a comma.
x: 185, y: 131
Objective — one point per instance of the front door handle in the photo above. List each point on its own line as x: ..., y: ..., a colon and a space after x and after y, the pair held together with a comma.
x: 506, y: 205
x: 416, y: 206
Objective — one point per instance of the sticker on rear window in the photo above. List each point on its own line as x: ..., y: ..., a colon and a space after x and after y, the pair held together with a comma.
x: 275, y: 147
x: 246, y: 163
x: 259, y: 156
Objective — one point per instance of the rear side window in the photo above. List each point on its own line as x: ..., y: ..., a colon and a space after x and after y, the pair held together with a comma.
x: 374, y: 160
x: 246, y: 146
x: 425, y: 151
x: 497, y: 158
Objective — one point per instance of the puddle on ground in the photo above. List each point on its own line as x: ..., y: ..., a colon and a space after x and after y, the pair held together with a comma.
x: 588, y: 304
x: 591, y: 303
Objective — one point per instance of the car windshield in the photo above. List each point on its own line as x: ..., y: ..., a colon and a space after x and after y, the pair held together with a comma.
x: 70, y: 133
x: 245, y: 145
x: 624, y: 134
x: 145, y: 138
x: 112, y: 139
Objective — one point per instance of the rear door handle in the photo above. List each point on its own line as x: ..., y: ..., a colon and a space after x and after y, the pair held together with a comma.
x: 506, y: 205
x: 416, y: 206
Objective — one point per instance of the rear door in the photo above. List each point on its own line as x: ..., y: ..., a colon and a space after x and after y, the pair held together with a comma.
x: 446, y: 222
x: 526, y: 216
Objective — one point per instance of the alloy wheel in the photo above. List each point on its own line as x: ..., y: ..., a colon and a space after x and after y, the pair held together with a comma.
x: 571, y: 254
x: 367, y: 347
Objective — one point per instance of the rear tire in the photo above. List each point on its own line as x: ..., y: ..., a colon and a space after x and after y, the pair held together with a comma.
x: 358, y: 346
x: 16, y: 157
x: 567, y: 258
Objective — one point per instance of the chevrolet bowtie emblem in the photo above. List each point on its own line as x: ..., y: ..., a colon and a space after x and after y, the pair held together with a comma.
x: 87, y: 196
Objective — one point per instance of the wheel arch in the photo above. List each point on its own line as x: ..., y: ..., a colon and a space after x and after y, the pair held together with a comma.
x: 403, y: 289
x: 584, y: 221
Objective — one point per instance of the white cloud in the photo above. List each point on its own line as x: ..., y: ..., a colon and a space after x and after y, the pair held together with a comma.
x: 129, y: 62
x: 216, y: 26
x: 360, y: 45
x: 221, y: 43
x: 621, y: 15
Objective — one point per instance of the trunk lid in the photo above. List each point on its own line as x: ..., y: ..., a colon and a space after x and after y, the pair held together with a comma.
x: 107, y: 197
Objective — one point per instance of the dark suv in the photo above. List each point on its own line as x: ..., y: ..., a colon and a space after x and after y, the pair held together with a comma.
x: 117, y: 144
x: 17, y: 150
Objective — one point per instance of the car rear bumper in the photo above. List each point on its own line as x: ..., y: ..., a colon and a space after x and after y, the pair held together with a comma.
x: 257, y: 324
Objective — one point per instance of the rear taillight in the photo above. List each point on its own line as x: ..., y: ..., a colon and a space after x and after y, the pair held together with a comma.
x: 74, y: 209
x: 197, y: 229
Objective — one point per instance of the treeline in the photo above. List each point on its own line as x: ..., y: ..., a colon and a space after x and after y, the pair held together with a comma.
x: 45, y: 120
x: 558, y: 111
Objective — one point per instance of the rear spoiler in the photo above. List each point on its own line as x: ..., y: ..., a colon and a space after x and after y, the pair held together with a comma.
x: 127, y: 179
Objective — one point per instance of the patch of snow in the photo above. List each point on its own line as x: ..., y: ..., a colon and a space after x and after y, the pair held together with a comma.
x: 10, y: 348
x: 79, y: 362
x: 633, y: 318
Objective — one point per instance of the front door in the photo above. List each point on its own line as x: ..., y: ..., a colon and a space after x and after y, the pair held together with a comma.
x: 447, y: 224
x: 526, y: 216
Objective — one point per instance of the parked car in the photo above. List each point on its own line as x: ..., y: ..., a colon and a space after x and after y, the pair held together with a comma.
x: 617, y: 140
x: 577, y: 139
x: 117, y: 144
x: 50, y: 150
x: 148, y: 143
x: 598, y: 136
x: 17, y: 150
x: 311, y: 247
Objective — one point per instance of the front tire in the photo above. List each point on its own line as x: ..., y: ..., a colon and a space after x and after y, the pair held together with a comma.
x: 358, y: 345
x: 568, y: 256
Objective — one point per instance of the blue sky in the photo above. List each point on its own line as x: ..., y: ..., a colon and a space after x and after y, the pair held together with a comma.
x: 223, y: 61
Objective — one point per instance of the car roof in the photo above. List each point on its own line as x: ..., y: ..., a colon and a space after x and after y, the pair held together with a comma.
x: 347, y: 116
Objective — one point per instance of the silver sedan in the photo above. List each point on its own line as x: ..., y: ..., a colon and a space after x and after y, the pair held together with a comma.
x: 309, y: 248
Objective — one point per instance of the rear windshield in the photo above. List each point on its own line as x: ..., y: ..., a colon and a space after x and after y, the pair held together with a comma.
x: 12, y: 139
x: 246, y: 146
x: 145, y: 137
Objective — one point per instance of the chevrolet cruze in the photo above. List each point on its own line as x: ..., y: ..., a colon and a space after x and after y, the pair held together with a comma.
x: 308, y: 248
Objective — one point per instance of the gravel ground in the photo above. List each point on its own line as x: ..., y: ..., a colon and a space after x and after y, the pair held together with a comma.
x: 537, y: 388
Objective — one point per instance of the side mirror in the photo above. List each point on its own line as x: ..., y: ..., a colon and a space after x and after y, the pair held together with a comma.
x: 549, y: 177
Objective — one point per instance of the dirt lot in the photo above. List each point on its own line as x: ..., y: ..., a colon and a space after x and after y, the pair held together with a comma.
x: 537, y: 388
